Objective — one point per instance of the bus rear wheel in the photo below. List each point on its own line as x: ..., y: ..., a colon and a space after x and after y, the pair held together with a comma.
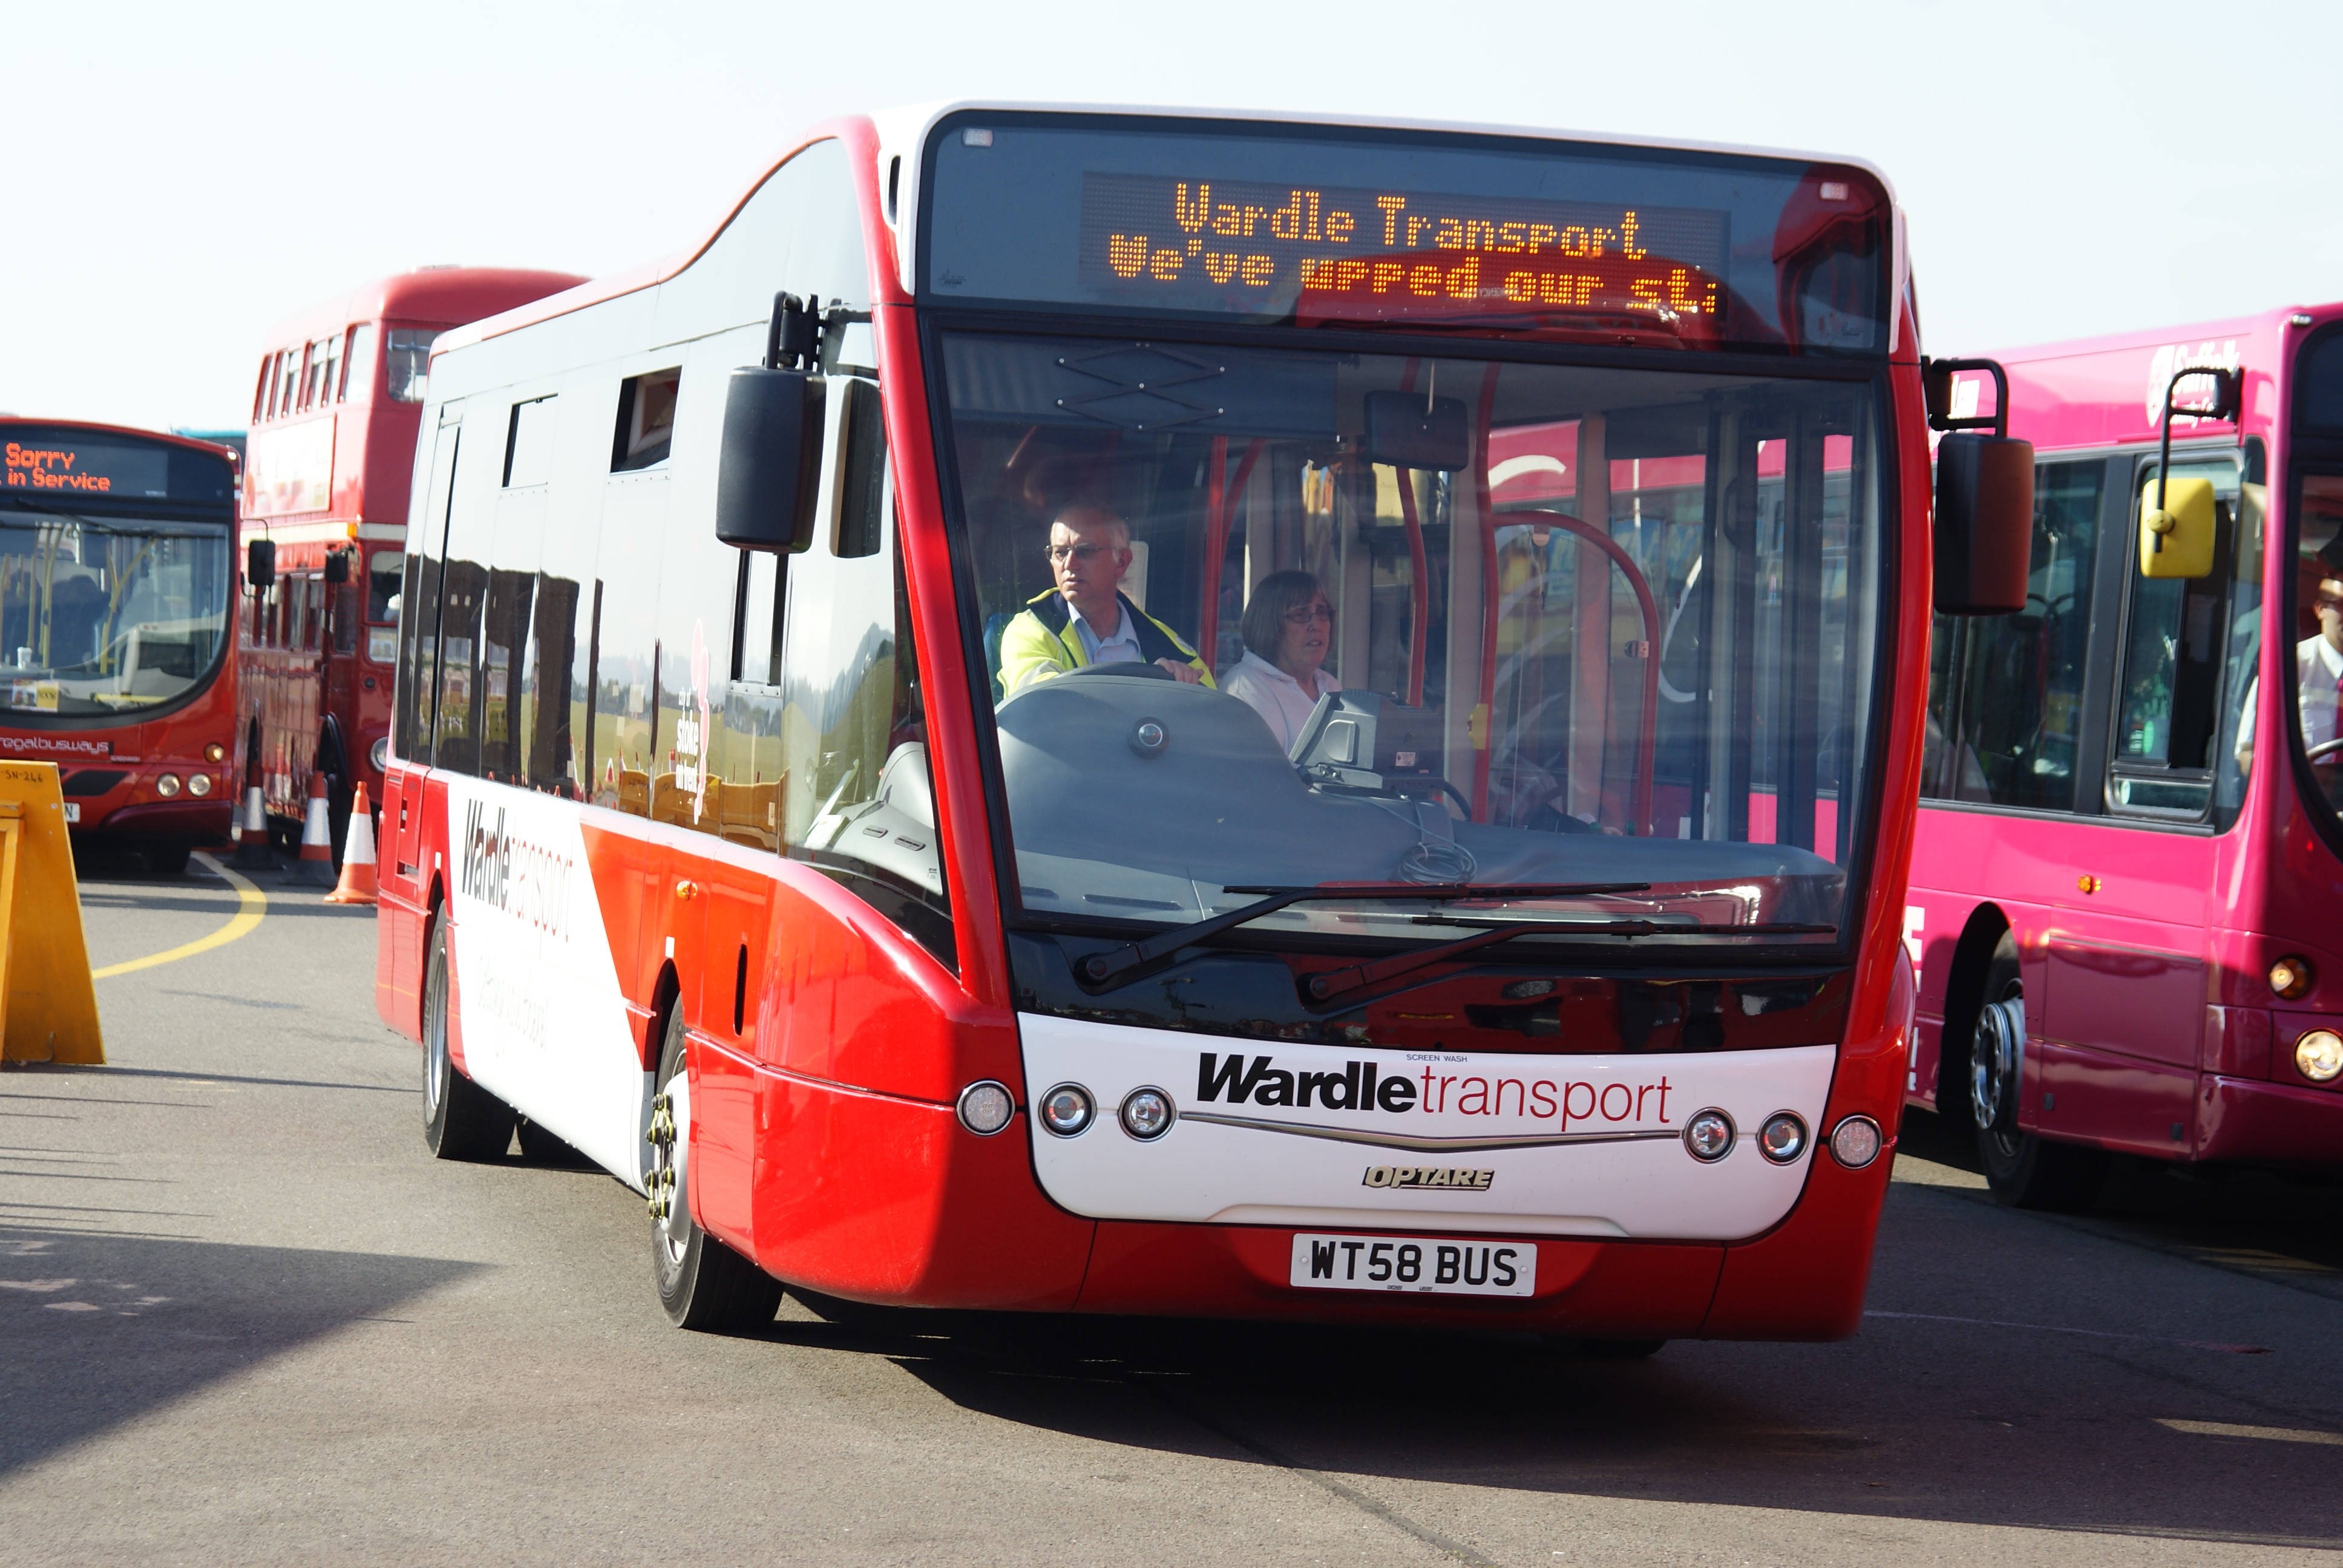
x: 461, y: 1120
x: 2025, y: 1169
x: 702, y: 1283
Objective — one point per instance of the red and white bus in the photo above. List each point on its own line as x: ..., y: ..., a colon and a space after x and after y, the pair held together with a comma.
x: 2123, y: 907
x: 115, y: 581
x: 332, y: 445
x: 761, y: 823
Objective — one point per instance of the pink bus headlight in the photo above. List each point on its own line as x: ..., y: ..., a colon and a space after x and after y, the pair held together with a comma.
x: 2319, y: 1055
x: 2290, y: 977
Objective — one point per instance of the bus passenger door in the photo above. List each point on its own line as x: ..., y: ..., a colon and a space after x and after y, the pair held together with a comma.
x: 2127, y: 979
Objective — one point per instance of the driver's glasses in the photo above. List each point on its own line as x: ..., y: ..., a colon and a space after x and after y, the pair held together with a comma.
x: 2330, y: 601
x: 1311, y: 615
x: 1085, y: 554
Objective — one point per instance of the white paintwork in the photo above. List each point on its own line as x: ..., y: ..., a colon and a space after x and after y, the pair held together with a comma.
x: 1648, y: 1188
x: 545, y: 1027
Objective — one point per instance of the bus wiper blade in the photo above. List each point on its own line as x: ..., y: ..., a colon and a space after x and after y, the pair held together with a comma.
x: 1100, y: 967
x: 1335, y: 982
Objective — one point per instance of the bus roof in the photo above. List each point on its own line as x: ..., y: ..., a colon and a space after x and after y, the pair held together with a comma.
x: 164, y: 438
x: 900, y: 132
x: 2096, y: 391
x: 429, y: 295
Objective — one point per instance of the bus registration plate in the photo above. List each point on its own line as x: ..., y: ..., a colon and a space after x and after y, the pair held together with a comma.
x: 1422, y: 1264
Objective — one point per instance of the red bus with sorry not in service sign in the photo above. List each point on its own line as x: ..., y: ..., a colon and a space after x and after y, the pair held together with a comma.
x: 116, y: 580
x: 1159, y: 713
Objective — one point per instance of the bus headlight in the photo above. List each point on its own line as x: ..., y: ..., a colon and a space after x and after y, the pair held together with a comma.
x: 1709, y: 1135
x: 1146, y: 1114
x: 200, y: 785
x: 1782, y: 1138
x: 2290, y: 977
x: 2319, y: 1055
x: 380, y: 753
x: 166, y: 785
x: 1067, y: 1110
x: 1856, y: 1142
x: 985, y: 1107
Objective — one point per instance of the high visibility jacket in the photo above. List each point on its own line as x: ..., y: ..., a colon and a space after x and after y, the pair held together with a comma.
x: 1042, y: 641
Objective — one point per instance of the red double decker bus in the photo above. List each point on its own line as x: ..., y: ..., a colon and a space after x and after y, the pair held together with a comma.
x: 116, y: 583
x: 2129, y: 863
x: 331, y: 447
x: 1145, y: 712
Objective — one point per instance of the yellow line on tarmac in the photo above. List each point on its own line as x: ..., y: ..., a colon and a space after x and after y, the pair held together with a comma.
x: 251, y: 903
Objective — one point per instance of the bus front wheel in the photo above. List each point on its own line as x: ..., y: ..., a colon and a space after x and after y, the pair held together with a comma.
x: 2025, y: 1169
x: 461, y: 1120
x: 702, y: 1283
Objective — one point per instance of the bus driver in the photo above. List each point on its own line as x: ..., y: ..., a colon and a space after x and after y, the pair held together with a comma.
x: 1087, y: 618
x: 2319, y: 676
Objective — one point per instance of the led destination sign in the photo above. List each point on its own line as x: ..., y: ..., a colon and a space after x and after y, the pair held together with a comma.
x: 1332, y: 253
x: 85, y: 468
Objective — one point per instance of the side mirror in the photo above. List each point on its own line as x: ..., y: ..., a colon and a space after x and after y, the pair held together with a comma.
x: 260, y: 565
x: 1411, y: 432
x: 768, y: 474
x: 2175, y: 539
x: 337, y: 567
x: 1985, y: 523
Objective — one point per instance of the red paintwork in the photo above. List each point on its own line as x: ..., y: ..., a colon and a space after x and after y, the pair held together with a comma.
x: 2147, y: 1004
x: 825, y: 1144
x: 295, y: 692
x: 143, y: 750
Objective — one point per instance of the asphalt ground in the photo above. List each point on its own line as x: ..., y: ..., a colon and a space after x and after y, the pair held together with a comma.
x: 247, y: 1319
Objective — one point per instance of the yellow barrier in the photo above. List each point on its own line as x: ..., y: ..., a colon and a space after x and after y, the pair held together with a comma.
x: 48, y: 1008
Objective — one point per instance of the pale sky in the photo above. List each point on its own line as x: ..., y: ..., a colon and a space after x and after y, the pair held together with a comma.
x: 179, y: 177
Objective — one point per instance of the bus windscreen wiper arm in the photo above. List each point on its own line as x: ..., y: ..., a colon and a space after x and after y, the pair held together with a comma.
x: 1335, y: 982
x: 1099, y: 968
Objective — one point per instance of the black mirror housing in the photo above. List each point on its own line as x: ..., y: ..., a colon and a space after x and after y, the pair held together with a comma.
x: 1411, y: 432
x: 338, y: 566
x: 768, y: 474
x: 1985, y: 523
x: 260, y: 565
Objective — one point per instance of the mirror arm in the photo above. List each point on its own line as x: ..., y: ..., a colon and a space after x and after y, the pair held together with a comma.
x: 2228, y: 399
x: 1937, y: 378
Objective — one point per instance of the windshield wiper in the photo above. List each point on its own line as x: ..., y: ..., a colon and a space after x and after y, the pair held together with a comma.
x: 1335, y: 982
x: 1099, y: 968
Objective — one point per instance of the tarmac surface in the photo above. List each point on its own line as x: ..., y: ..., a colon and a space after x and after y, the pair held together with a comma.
x: 247, y: 1320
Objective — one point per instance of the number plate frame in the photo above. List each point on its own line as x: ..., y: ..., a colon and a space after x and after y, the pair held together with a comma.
x: 1413, y: 1265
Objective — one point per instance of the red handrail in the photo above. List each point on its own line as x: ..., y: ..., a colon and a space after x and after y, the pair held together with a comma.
x: 1601, y: 540
x: 1419, y: 575
x: 1218, y: 499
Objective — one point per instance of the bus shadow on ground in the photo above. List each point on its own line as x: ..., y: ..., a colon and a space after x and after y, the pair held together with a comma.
x: 102, y: 1329
x: 1857, y: 1429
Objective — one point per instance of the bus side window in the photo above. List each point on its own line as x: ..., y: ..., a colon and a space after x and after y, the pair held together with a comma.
x: 357, y: 364
x: 857, y: 801
x: 2169, y: 664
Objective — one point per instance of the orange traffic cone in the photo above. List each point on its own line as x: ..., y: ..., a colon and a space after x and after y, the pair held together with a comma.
x: 317, y: 866
x: 357, y: 856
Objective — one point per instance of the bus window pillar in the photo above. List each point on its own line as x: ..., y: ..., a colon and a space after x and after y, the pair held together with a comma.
x: 1731, y: 595
x: 1589, y: 661
x: 1354, y: 595
x: 1467, y: 726
x: 1796, y: 738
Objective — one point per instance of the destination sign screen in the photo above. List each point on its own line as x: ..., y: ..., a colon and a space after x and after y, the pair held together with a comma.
x: 1315, y: 226
x: 1363, y: 252
x: 68, y: 467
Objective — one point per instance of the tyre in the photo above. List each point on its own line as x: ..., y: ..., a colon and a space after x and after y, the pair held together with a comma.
x: 2024, y: 1170
x: 1621, y: 1350
x: 461, y: 1120
x: 702, y: 1283
x: 167, y: 860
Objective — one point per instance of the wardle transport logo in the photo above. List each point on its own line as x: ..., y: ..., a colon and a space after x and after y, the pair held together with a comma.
x: 512, y: 875
x: 1544, y: 1103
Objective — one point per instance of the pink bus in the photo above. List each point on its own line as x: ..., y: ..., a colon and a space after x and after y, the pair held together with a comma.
x: 2123, y: 909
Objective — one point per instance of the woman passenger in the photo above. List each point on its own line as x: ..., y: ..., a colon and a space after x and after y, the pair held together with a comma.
x: 1287, y: 628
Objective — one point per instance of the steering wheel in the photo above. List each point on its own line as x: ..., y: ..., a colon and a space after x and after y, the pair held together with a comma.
x: 1564, y: 821
x: 2326, y: 748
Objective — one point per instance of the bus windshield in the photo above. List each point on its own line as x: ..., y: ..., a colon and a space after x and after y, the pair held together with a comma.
x: 1254, y: 617
x: 107, y: 615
